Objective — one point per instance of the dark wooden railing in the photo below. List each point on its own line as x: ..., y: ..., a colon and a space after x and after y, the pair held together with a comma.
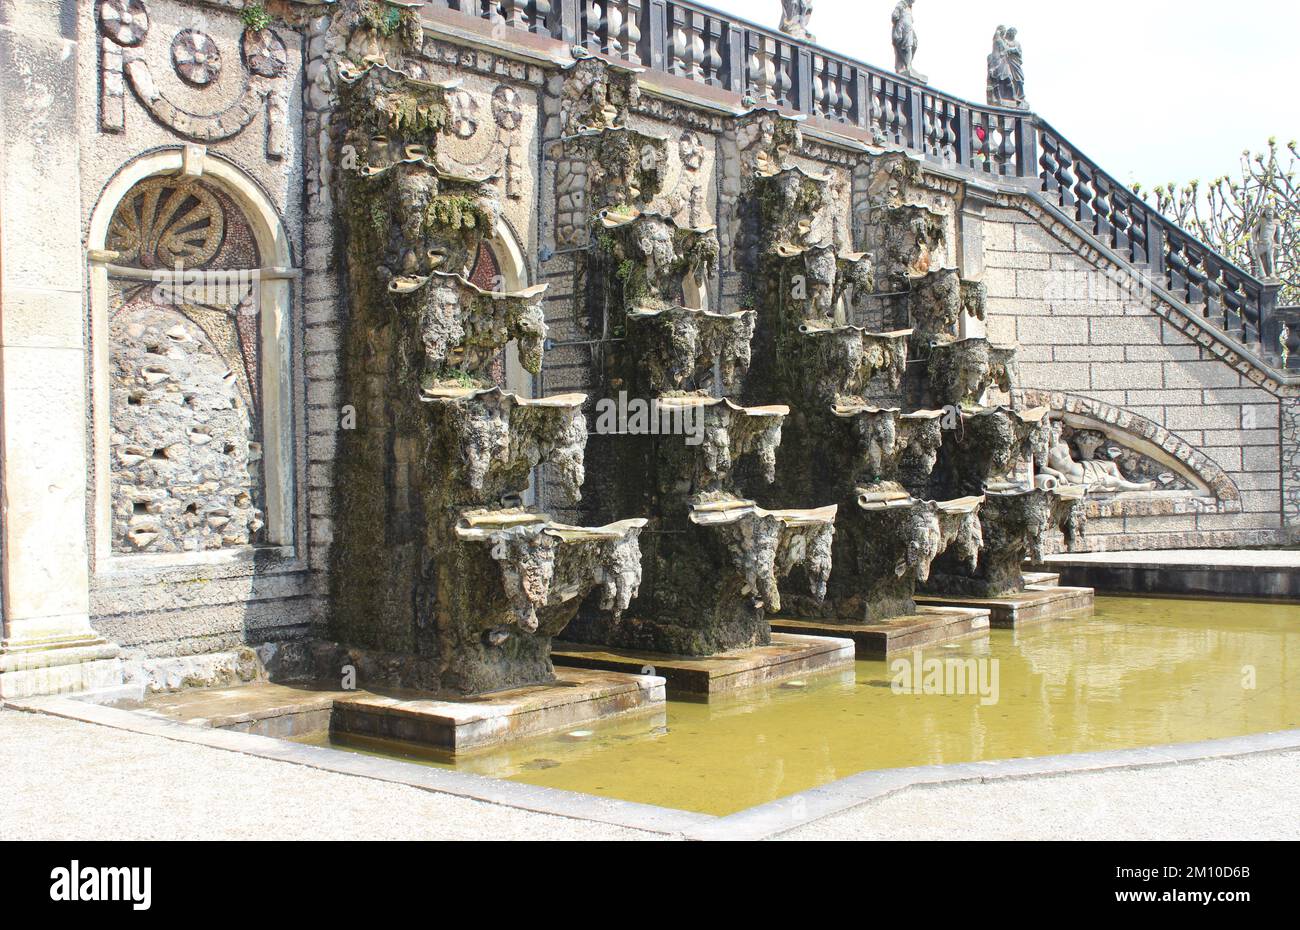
x: 768, y: 67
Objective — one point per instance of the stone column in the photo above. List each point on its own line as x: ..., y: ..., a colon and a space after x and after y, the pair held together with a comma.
x: 48, y: 645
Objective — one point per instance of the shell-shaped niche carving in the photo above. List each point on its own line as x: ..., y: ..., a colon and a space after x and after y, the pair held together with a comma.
x: 765, y: 546
x: 962, y: 370
x: 839, y: 362
x: 691, y: 350
x: 907, y: 241
x: 494, y: 440
x: 464, y: 327
x: 544, y: 564
x: 813, y: 281
x: 891, y: 446
x: 712, y: 436
x: 651, y: 256
x: 938, y: 300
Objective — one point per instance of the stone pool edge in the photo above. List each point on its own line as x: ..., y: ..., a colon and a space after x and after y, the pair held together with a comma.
x: 784, y: 815
x: 766, y: 821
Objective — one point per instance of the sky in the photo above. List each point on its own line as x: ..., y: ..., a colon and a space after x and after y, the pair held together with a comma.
x: 1151, y: 90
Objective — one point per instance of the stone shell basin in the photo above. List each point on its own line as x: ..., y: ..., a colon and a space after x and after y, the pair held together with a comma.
x: 465, y: 326
x: 546, y: 565
x: 1005, y: 438
x: 682, y: 346
x: 766, y: 545
x: 729, y: 432
x: 499, y: 437
x: 892, y: 445
x: 844, y: 359
x: 962, y: 370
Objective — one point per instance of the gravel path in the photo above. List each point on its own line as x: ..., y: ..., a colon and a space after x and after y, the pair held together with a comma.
x: 65, y: 780
x: 1251, y: 798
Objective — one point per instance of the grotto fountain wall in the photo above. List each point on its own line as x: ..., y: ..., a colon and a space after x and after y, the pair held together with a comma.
x: 1132, y: 379
x: 442, y: 580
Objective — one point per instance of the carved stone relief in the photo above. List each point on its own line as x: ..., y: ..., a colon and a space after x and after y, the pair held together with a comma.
x: 173, y: 73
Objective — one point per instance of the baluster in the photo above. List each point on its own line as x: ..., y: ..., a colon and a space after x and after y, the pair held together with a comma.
x: 994, y: 144
x: 1102, y: 207
x: 848, y: 84
x: 818, y: 85
x: 1049, y: 165
x: 631, y: 34
x: 688, y: 44
x: 1008, y: 145
x: 541, y: 21
x: 1177, y: 270
x: 614, y: 28
x: 713, y: 57
x: 927, y: 126
x: 513, y: 13
x: 1140, y: 247
x: 1195, y: 275
x: 878, y: 117
x: 1215, y: 311
x: 762, y: 67
x: 951, y: 115
x: 595, y: 26
x: 1121, y: 221
x: 979, y: 142
x: 784, y: 83
x: 678, y: 47
x: 1084, y: 193
x: 1236, y: 305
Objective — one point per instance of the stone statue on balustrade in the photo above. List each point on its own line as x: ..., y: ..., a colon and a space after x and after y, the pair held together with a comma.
x: 1265, y: 240
x: 1007, y: 70
x: 795, y: 15
x: 1096, y: 476
x: 905, y: 41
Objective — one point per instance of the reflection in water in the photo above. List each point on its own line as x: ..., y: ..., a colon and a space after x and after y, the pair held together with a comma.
x: 1134, y: 673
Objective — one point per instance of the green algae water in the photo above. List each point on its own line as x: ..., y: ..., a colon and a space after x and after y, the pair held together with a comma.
x: 1136, y: 672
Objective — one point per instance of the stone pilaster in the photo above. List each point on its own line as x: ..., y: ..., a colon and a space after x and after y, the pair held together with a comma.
x: 48, y: 645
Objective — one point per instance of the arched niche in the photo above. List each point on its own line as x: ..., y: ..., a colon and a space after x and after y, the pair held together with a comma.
x: 258, y: 279
x: 500, y: 266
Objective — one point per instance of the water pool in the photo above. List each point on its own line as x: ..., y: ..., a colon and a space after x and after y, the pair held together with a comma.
x: 1135, y: 672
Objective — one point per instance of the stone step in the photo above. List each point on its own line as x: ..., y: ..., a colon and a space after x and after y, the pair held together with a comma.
x: 929, y: 626
x: 788, y: 657
x: 1032, y: 605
